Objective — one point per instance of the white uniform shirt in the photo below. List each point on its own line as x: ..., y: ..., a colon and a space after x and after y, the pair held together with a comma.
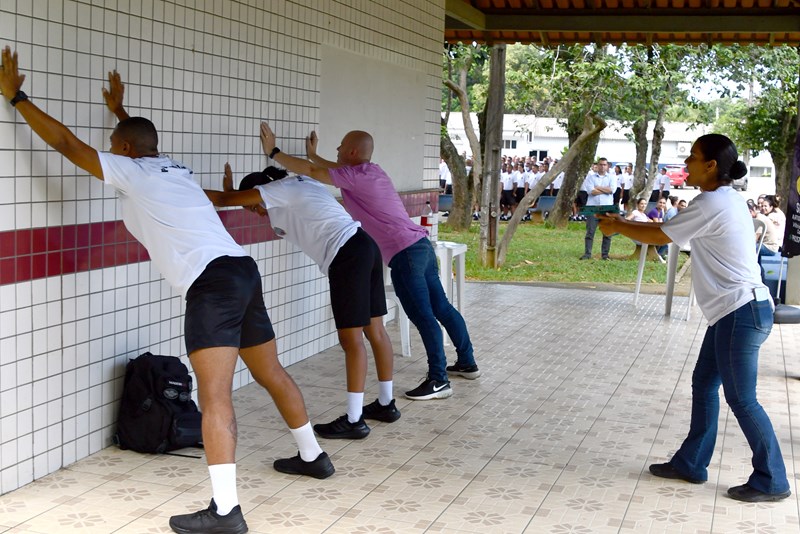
x: 168, y: 212
x: 505, y: 180
x: 661, y: 179
x: 444, y: 173
x: 302, y: 211
x: 627, y: 180
x: 558, y: 181
x: 596, y: 180
x: 724, y: 264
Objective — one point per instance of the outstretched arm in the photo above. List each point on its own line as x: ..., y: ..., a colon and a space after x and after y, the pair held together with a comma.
x: 229, y: 196
x: 52, y: 132
x: 293, y: 164
x: 644, y: 232
x: 311, y: 153
x: 114, y: 95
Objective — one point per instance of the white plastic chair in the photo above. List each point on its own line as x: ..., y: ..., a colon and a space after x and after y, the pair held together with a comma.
x: 397, y: 312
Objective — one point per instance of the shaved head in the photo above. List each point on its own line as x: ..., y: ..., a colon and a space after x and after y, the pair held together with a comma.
x: 140, y: 133
x: 356, y: 148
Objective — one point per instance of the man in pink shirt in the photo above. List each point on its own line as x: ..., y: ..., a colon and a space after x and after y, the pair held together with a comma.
x: 371, y: 199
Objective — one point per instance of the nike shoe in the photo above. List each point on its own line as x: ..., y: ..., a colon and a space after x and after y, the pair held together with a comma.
x: 467, y: 371
x: 208, y: 521
x: 430, y: 389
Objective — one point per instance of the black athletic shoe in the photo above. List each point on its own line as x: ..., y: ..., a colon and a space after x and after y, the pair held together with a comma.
x: 430, y: 389
x: 667, y: 471
x: 208, y: 521
x: 375, y: 410
x: 341, y: 428
x: 467, y: 371
x: 321, y: 467
x: 745, y: 493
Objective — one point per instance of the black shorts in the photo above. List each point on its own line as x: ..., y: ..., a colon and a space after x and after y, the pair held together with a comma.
x: 356, y: 281
x: 507, y: 198
x: 626, y: 196
x: 225, y: 306
x: 582, y: 198
x: 519, y: 194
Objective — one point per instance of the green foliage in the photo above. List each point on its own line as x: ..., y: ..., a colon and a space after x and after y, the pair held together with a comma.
x: 543, y: 254
x: 773, y: 73
x: 475, y: 58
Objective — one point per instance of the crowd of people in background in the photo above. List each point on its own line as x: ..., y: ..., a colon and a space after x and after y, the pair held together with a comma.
x: 520, y: 174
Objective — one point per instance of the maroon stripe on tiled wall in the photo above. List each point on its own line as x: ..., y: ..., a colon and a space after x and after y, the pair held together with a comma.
x: 33, y: 253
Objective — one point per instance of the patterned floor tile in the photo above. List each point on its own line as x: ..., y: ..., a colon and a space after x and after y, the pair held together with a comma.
x: 554, y: 437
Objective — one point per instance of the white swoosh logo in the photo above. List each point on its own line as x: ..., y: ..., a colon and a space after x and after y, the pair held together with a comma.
x: 435, y: 389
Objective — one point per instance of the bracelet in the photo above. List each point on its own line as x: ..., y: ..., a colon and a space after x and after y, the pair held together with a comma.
x: 274, y: 152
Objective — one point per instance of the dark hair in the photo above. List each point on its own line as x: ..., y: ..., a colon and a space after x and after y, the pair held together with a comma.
x: 270, y: 174
x: 721, y: 149
x: 140, y: 133
x: 772, y: 200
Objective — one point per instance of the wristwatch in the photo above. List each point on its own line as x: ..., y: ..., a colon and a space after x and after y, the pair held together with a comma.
x: 274, y: 152
x: 19, y: 97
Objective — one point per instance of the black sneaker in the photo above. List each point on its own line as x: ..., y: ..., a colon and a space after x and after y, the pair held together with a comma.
x: 208, y: 521
x: 746, y: 493
x: 430, y: 389
x: 375, y: 410
x: 341, y: 428
x: 668, y: 471
x: 467, y: 371
x: 320, y: 468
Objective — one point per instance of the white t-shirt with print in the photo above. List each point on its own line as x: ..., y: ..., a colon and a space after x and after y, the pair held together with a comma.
x: 168, y: 212
x: 724, y: 263
x: 303, y: 211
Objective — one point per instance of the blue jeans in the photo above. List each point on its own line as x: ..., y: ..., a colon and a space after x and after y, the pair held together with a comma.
x: 729, y: 356
x: 415, y: 276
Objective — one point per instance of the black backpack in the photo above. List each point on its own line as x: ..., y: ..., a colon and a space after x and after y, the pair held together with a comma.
x: 157, y: 413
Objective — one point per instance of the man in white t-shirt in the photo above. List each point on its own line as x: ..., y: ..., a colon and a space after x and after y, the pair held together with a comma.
x: 660, y: 186
x: 445, y: 178
x: 302, y: 211
x: 167, y: 211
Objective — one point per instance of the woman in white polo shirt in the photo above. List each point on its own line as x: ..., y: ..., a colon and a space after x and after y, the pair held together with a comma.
x: 739, y: 311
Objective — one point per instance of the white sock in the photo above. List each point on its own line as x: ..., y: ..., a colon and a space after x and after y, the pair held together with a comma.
x: 385, y: 394
x: 307, y: 444
x: 223, y: 487
x: 355, y: 405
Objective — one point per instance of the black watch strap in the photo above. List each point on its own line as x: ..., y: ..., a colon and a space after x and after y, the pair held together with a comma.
x: 19, y: 97
x: 274, y: 152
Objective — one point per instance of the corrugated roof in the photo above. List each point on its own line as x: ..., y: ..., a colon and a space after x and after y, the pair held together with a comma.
x: 547, y: 22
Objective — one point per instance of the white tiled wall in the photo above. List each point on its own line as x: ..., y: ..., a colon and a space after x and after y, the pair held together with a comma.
x: 206, y: 72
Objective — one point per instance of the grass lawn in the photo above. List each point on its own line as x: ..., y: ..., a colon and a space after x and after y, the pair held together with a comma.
x: 541, y: 254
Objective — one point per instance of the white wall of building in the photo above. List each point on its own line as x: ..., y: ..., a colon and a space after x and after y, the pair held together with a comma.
x: 206, y: 73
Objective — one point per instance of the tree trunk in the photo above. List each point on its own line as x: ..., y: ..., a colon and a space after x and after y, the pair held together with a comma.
x: 460, y: 215
x: 575, y: 171
x: 460, y: 91
x: 585, y: 143
x: 783, y: 158
x: 490, y: 195
x: 639, y: 171
x: 655, y: 150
